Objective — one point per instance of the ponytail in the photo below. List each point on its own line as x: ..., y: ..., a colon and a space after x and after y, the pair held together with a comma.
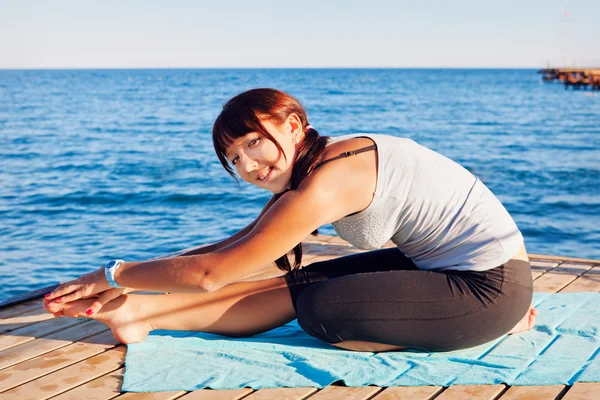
x: 308, y: 156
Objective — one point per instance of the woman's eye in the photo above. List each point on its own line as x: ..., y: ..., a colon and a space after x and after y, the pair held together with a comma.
x: 253, y: 142
x: 235, y: 160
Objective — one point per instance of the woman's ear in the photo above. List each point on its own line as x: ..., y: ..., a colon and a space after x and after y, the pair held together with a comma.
x: 294, y: 124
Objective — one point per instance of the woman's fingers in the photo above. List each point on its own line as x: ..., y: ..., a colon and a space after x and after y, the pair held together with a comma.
x: 93, y: 284
x: 104, y: 298
x: 66, y: 289
x: 76, y: 295
x: 86, y: 286
x: 58, y: 292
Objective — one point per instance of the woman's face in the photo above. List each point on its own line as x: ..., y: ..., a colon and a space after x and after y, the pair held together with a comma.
x: 258, y: 161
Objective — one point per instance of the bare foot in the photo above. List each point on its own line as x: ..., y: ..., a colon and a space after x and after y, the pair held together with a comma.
x: 55, y: 307
x: 527, y: 322
x: 121, y: 315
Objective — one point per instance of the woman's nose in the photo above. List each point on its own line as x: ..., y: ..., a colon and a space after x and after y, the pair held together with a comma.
x: 248, y: 163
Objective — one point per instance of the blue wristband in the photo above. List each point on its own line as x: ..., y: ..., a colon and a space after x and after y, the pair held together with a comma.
x: 109, y: 270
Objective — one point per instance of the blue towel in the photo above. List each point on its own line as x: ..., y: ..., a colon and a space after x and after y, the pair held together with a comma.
x: 561, y: 349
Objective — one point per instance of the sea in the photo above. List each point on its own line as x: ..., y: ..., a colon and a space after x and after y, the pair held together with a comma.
x: 104, y: 164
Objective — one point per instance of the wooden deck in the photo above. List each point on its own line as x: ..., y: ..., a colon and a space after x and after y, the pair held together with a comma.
x: 42, y: 357
x: 577, y: 78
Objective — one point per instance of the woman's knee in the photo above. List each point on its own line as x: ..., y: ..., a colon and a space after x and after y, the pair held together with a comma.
x: 312, y: 318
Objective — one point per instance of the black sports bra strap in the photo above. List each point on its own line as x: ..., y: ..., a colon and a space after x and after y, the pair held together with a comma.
x: 347, y: 154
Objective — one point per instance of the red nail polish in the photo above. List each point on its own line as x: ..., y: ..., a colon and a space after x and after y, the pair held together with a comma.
x: 89, y: 312
x: 48, y: 295
x: 57, y: 299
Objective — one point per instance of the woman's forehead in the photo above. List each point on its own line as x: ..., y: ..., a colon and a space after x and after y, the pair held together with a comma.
x: 237, y: 142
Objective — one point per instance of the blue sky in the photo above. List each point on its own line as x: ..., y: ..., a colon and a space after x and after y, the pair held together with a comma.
x: 257, y: 33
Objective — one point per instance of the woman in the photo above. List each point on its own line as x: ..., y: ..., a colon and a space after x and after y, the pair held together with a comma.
x: 459, y: 277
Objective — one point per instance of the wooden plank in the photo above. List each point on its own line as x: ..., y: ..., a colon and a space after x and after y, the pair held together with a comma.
x: 35, y: 295
x: 551, y: 282
x: 32, y: 316
x: 151, y: 396
x: 43, y: 365
x: 340, y: 251
x: 28, y: 350
x: 572, y: 268
x: 106, y: 387
x: 472, y: 392
x: 308, y: 247
x: 346, y: 393
x: 559, y: 277
x: 313, y: 239
x: 208, y: 394
x: 20, y: 309
x: 282, y: 394
x: 321, y: 250
x: 543, y: 265
x: 583, y: 391
x: 31, y: 332
x: 532, y: 392
x: 313, y: 259
x: 337, y: 240
x: 319, y: 239
x: 562, y: 258
x: 408, y: 393
x: 324, y: 238
x: 588, y: 282
x: 65, y: 379
x: 535, y: 274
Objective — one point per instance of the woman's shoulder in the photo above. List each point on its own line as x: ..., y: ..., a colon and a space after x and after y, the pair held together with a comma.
x: 377, y: 138
x: 344, y: 144
x: 348, y: 182
x: 352, y: 172
x: 340, y: 144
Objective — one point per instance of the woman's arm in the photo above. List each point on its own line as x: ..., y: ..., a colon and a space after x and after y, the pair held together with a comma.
x: 334, y: 191
x: 95, y: 282
x: 322, y: 198
x: 293, y: 217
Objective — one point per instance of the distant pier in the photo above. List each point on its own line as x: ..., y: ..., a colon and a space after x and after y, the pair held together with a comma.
x: 577, y: 78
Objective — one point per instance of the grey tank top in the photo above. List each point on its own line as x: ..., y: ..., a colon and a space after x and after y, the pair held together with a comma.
x: 438, y: 214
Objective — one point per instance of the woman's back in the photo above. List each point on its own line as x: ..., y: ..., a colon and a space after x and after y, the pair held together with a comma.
x: 436, y: 212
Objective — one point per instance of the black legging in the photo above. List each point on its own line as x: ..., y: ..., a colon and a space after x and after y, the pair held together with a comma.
x: 380, y: 296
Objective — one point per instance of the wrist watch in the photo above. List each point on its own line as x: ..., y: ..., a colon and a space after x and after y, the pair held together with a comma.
x: 109, y: 270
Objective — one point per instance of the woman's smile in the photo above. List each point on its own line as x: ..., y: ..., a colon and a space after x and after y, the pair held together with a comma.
x: 265, y: 174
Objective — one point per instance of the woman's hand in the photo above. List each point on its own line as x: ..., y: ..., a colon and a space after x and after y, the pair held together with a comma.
x: 93, y: 284
x: 56, y: 307
x: 85, y: 286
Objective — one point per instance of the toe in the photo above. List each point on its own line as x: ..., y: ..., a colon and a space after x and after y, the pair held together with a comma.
x: 76, y: 309
x: 531, y: 322
x: 53, y: 307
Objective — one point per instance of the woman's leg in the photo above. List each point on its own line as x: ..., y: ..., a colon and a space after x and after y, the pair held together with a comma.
x: 372, y: 261
x: 437, y: 311
x: 239, y: 309
x: 362, y: 263
x: 248, y: 308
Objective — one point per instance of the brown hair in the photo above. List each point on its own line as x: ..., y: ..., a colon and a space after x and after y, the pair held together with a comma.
x: 242, y: 115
